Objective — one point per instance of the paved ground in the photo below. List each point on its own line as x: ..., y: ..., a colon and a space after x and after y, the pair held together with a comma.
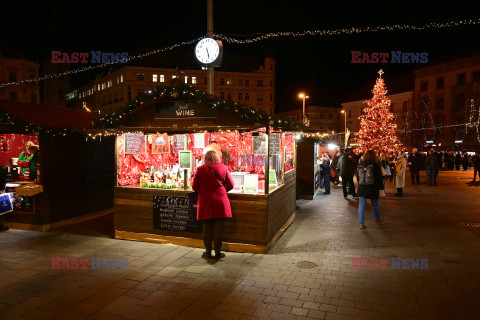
x: 307, y: 275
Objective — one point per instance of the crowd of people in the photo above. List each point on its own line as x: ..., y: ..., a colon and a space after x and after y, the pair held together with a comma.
x: 374, y: 170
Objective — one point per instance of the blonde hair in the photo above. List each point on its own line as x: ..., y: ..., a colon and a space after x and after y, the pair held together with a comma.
x: 211, y: 157
x: 28, y: 144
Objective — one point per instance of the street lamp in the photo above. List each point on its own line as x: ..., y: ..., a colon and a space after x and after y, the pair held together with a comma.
x: 303, y: 97
x: 345, y: 114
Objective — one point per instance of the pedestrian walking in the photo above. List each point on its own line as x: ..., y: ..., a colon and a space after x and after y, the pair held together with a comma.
x: 211, y: 182
x: 458, y: 160
x: 399, y: 175
x: 414, y: 161
x: 476, y: 165
x: 431, y: 166
x: 388, y: 173
x: 465, y: 161
x: 325, y: 171
x: 336, y: 157
x: 345, y: 166
x: 369, y: 178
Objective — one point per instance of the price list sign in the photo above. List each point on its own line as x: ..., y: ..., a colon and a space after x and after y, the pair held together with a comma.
x: 134, y: 143
x: 175, y: 213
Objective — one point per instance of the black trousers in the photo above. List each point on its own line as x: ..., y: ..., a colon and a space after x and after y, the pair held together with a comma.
x: 415, y: 174
x: 348, y: 181
x: 400, y: 190
x: 475, y: 170
x: 213, y: 231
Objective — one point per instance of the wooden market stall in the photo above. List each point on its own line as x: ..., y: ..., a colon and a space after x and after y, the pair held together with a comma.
x: 162, y: 137
x: 75, y: 175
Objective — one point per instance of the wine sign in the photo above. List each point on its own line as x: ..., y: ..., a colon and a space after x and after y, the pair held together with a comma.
x: 134, y: 143
x: 183, y: 110
x: 175, y: 213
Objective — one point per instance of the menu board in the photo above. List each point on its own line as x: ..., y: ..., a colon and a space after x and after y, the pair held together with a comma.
x: 250, y: 183
x: 259, y: 144
x: 134, y: 143
x: 160, y: 143
x: 178, y: 142
x: 185, y: 159
x: 274, y: 143
x: 175, y: 213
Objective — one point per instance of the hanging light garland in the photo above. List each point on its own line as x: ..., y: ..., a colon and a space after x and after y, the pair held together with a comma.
x: 248, y: 39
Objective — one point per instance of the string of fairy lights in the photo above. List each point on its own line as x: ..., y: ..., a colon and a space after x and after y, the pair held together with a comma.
x: 249, y: 39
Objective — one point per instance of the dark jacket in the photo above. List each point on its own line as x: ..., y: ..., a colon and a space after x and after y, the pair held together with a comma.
x: 415, y: 161
x: 325, y: 167
x: 431, y: 163
x: 345, y: 165
x: 335, y: 161
x: 476, y: 161
x: 372, y: 191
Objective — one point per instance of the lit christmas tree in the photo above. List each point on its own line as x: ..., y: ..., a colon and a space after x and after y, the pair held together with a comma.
x: 377, y: 123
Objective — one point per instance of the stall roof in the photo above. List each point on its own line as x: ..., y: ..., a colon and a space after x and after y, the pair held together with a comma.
x: 48, y: 116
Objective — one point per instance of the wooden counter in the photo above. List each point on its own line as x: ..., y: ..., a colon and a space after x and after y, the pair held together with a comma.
x: 258, y: 220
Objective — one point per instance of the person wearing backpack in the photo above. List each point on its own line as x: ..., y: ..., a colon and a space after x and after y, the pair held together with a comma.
x: 399, y: 175
x: 369, y: 176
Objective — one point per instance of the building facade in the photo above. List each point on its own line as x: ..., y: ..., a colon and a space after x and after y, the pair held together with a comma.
x: 447, y: 103
x: 113, y: 91
x: 321, y: 118
x: 12, y: 70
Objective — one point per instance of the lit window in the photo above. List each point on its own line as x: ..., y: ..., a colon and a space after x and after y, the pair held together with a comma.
x: 162, y: 78
x: 104, y: 86
x: 155, y: 78
x: 194, y: 80
x: 98, y: 87
x: 186, y: 79
x: 109, y: 83
x: 229, y: 82
x: 121, y: 78
x: 174, y: 76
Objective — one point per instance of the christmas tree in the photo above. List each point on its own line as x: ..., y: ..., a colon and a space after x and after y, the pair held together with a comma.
x: 377, y: 123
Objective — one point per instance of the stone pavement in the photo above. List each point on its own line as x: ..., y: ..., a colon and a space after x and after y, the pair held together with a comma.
x: 307, y: 275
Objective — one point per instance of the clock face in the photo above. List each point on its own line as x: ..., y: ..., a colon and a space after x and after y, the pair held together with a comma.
x: 207, y: 50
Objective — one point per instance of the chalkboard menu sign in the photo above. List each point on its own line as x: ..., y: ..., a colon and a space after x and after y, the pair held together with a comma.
x: 274, y: 143
x: 175, y: 213
x: 134, y: 143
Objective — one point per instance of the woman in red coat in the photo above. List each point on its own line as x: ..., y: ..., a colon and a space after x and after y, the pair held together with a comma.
x: 212, y: 181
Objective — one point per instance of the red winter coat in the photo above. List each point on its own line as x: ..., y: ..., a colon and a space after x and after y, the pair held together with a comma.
x: 212, y: 196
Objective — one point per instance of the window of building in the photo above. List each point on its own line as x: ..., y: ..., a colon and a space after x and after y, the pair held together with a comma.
x: 186, y: 79
x: 392, y: 107
x: 229, y: 81
x: 141, y: 76
x: 155, y: 78
x: 259, y: 97
x: 229, y: 96
x: 121, y: 78
x: 440, y: 83
x: 109, y: 83
x: 271, y: 96
x: 461, y: 78
x: 271, y: 83
x: 247, y: 83
x: 174, y: 76
x: 424, y: 86
x: 222, y: 95
x: 405, y: 105
x: 259, y: 83
x: 322, y: 116
x: 240, y: 82
x: 439, y: 103
x: 247, y: 96
x: 240, y: 96
x: 205, y: 81
x: 330, y: 116
x: 13, y: 96
x: 349, y: 113
x: 460, y: 101
x: 194, y: 80
x: 12, y: 76
x: 104, y: 86
x: 162, y: 78
x: 98, y: 87
x: 222, y: 81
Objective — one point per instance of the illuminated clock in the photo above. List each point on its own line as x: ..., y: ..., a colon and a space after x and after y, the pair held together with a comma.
x: 208, y: 52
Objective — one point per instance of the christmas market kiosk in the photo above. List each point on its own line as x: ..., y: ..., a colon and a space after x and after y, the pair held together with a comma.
x: 160, y: 142
x: 52, y: 173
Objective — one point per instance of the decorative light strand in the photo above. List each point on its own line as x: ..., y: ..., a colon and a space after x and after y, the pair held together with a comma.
x: 260, y: 37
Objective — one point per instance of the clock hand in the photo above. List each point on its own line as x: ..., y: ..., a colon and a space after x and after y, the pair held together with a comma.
x: 208, y: 55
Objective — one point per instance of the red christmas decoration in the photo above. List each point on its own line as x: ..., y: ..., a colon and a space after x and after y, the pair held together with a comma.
x: 377, y: 123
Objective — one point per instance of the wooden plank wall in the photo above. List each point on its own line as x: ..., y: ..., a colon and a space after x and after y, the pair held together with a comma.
x: 306, y: 169
x: 134, y: 213
x: 281, y: 205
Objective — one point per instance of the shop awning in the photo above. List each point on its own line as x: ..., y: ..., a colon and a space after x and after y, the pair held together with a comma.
x: 49, y: 117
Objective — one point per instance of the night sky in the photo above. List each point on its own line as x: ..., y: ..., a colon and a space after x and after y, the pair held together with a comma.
x: 319, y: 65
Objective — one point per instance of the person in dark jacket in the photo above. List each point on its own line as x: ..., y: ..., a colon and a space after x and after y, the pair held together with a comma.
x: 325, y: 172
x: 336, y: 157
x: 414, y: 162
x: 465, y: 161
x: 476, y: 165
x: 345, y: 166
x: 458, y: 161
x: 370, y: 191
x: 431, y: 165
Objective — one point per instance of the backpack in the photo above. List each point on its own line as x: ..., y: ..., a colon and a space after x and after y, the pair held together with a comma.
x: 365, y: 174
